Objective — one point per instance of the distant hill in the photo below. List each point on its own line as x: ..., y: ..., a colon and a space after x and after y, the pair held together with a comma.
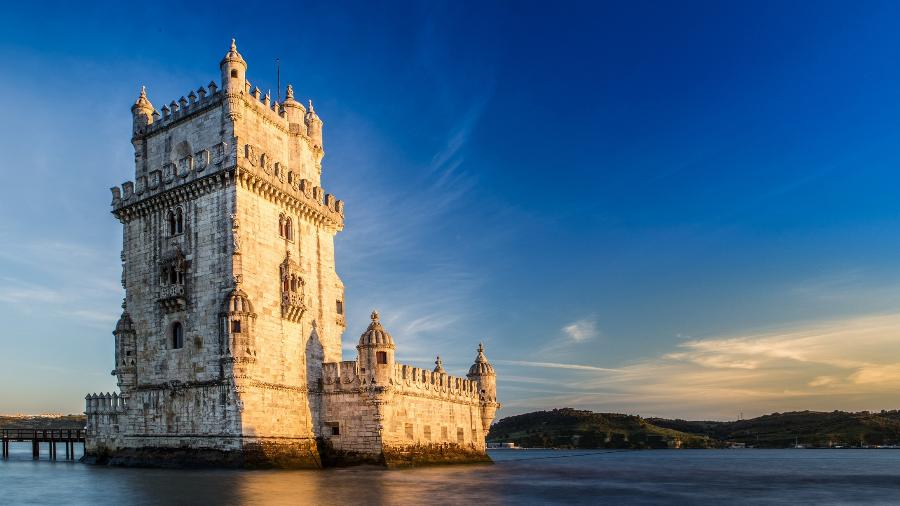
x: 808, y: 428
x: 42, y: 422
x: 572, y: 428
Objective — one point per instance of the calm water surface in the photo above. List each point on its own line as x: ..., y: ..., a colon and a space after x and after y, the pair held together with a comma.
x: 518, y: 477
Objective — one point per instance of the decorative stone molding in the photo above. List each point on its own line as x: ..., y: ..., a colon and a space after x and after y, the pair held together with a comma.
x: 292, y: 290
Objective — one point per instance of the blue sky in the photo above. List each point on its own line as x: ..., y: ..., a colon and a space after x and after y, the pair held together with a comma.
x: 670, y: 209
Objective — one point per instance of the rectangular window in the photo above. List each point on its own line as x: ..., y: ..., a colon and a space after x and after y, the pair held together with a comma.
x: 444, y: 435
x: 236, y: 326
x: 381, y: 357
x: 335, y: 429
x: 410, y: 433
x: 460, y: 435
x: 340, y: 306
x: 427, y: 431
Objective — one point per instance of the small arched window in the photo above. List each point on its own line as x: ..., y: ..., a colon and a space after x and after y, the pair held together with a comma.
x: 177, y: 336
x: 287, y: 284
x: 171, y: 220
x: 179, y: 221
x: 293, y: 283
x: 290, y: 177
x: 288, y: 230
x: 234, y: 73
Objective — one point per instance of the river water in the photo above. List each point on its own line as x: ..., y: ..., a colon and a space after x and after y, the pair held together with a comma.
x: 721, y: 477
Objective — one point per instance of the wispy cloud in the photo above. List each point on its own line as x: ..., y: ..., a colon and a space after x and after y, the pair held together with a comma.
x: 16, y: 291
x: 581, y: 330
x: 557, y: 365
x: 572, y: 335
x: 851, y: 363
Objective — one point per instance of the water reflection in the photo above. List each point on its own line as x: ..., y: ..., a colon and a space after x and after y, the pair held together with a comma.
x: 519, y: 477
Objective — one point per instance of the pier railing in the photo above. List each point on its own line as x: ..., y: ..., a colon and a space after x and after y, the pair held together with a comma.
x: 68, y: 437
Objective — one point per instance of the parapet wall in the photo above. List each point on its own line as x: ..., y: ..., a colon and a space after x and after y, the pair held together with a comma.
x: 195, y: 166
x: 424, y: 382
x: 102, y: 431
x: 261, y: 173
x: 181, y: 109
x: 97, y: 404
x: 340, y: 376
x: 407, y: 379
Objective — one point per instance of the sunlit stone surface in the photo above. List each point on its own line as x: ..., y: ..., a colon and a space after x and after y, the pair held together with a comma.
x: 228, y: 351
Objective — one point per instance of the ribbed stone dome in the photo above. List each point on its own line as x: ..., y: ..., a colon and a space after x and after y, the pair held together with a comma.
x: 375, y: 335
x: 481, y: 367
x: 238, y: 302
x: 124, y: 323
x: 233, y: 55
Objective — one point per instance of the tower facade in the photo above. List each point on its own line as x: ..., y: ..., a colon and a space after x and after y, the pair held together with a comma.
x: 233, y: 313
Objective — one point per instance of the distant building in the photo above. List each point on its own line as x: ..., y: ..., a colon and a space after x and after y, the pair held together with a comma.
x: 228, y: 350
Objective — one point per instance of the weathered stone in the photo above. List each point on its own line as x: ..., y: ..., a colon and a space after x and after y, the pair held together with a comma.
x: 228, y: 352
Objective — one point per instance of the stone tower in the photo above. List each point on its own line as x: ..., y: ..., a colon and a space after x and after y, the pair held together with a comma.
x: 228, y: 350
x: 232, y: 300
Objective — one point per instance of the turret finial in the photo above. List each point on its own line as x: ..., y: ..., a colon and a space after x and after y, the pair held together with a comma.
x: 439, y: 365
x: 143, y: 91
x: 311, y: 109
x: 290, y: 93
x: 374, y: 315
x: 233, y: 45
x: 481, y: 347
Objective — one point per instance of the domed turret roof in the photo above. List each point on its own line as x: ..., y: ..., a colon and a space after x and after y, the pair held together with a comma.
x: 481, y: 367
x: 375, y: 335
x: 142, y: 103
x: 124, y: 323
x: 238, y: 302
x: 311, y: 113
x: 233, y: 56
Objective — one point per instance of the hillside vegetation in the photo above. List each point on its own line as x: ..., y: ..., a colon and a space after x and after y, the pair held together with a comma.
x: 808, y: 428
x: 572, y: 428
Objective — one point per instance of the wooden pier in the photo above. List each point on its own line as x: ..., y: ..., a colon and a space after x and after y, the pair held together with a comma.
x: 67, y: 437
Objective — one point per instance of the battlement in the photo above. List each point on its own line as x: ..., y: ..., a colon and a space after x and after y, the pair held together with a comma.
x: 211, y: 95
x: 340, y: 375
x: 101, y: 404
x: 194, y: 166
x: 196, y: 101
x: 261, y: 173
x: 414, y: 378
x: 406, y: 378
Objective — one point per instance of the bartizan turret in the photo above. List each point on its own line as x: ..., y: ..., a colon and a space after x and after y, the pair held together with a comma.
x: 294, y: 112
x: 234, y: 70
x: 234, y: 80
x: 483, y: 373
x: 376, y: 354
x: 314, y: 126
x: 439, y: 366
x: 141, y: 112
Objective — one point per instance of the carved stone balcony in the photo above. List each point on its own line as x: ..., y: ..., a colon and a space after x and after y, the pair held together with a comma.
x: 172, y: 298
x: 292, y: 306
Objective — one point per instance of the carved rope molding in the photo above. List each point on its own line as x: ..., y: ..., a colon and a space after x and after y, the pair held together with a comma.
x: 306, y: 207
